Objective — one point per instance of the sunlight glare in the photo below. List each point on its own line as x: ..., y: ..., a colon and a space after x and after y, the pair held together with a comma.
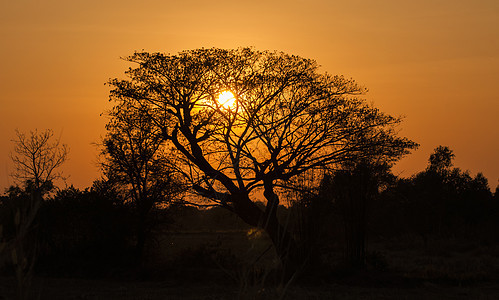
x: 226, y: 99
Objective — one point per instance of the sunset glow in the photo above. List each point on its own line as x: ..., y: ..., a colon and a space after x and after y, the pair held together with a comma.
x: 435, y: 63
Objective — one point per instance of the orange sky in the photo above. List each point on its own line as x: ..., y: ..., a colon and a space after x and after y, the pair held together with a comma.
x: 435, y: 62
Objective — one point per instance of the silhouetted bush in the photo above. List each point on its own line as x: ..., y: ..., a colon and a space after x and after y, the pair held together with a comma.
x: 439, y: 201
x: 84, y: 232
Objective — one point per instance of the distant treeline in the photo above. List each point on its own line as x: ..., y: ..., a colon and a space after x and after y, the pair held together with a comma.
x: 88, y: 231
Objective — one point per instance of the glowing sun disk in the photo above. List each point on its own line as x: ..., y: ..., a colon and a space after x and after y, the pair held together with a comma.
x: 226, y: 99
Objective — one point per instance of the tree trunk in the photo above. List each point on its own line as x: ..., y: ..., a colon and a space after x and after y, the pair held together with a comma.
x: 281, y: 238
x: 285, y: 246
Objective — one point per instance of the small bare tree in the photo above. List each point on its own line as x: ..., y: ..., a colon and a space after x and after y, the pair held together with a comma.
x: 36, y: 157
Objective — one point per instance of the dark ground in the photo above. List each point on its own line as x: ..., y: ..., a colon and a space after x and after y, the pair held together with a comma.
x: 215, y: 265
x: 63, y: 288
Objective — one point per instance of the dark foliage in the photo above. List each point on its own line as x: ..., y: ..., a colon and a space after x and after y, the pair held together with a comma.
x: 339, y: 212
x: 137, y: 164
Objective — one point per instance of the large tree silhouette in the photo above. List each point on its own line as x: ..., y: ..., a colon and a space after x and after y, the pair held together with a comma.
x: 287, y: 119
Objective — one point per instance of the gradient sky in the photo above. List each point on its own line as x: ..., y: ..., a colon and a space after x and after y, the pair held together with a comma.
x: 434, y: 62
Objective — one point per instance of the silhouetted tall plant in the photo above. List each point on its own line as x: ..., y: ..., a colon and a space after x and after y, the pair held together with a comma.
x: 312, y: 217
x: 352, y: 191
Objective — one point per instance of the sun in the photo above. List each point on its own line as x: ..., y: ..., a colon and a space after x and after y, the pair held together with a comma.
x: 226, y: 99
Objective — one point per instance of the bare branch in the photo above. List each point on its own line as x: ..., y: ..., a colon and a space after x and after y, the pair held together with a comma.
x: 37, y: 156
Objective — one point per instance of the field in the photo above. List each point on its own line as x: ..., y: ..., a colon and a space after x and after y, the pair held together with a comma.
x: 239, y: 265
